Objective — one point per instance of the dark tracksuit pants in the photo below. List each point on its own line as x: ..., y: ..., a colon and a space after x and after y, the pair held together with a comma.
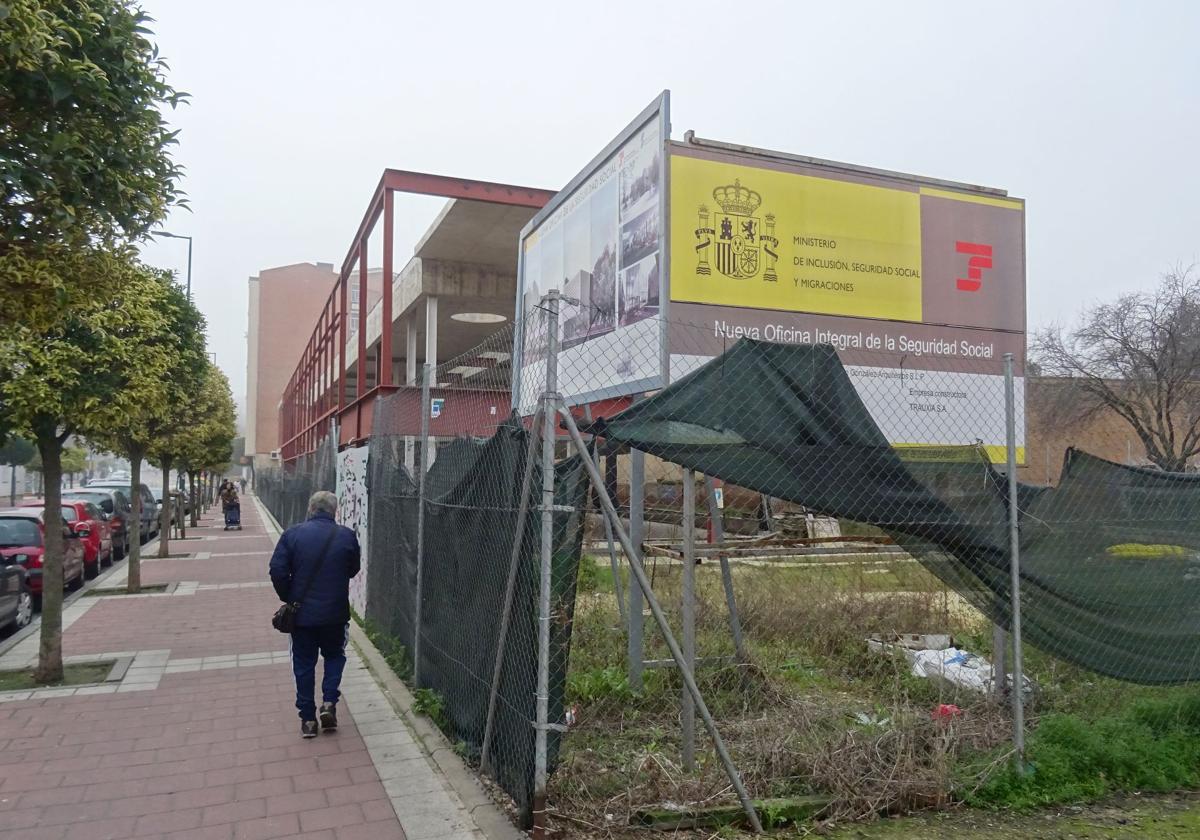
x: 307, y: 642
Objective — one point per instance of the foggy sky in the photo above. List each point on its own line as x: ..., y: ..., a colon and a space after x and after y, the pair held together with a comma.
x: 1089, y: 111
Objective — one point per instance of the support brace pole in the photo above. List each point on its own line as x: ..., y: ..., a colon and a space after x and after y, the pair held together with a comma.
x: 660, y: 618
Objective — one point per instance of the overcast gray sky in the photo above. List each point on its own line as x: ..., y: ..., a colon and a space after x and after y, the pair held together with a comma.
x: 1089, y: 111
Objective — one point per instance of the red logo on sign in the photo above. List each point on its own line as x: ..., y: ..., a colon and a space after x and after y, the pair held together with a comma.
x: 981, y: 258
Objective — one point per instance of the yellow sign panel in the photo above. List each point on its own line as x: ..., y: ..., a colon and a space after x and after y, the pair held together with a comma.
x: 760, y: 238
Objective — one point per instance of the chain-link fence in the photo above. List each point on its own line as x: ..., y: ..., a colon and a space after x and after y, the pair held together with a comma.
x: 782, y: 583
x: 286, y: 490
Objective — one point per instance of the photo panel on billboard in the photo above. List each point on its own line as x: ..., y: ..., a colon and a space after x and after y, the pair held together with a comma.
x: 584, y: 243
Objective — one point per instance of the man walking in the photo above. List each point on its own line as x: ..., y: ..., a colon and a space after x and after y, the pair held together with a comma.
x: 312, y: 565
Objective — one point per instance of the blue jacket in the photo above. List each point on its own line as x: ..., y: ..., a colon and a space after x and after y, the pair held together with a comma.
x: 295, y: 558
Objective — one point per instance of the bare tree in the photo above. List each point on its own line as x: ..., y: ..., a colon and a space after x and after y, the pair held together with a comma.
x: 1139, y: 357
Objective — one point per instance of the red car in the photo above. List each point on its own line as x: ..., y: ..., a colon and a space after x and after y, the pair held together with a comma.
x: 22, y: 541
x: 94, y: 532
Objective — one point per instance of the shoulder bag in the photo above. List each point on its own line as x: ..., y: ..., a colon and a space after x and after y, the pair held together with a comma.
x: 284, y: 619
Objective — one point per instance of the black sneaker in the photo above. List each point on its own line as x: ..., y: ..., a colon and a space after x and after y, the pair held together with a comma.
x: 308, y: 729
x: 328, y: 717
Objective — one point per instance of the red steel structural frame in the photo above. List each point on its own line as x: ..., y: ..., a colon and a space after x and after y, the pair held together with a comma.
x: 316, y: 392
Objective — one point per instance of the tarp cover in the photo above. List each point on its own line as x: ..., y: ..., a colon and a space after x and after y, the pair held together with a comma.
x: 1110, y: 574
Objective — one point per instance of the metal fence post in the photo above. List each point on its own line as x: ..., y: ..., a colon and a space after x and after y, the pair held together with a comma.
x: 1014, y: 552
x: 687, y: 709
x: 715, y: 514
x: 424, y: 466
x: 549, y: 433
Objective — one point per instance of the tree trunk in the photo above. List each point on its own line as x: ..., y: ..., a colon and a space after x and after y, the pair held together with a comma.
x: 135, y: 455
x: 50, y: 664
x: 195, y: 505
x: 164, y: 533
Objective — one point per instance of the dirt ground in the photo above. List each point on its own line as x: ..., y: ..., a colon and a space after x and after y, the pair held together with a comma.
x: 1175, y: 817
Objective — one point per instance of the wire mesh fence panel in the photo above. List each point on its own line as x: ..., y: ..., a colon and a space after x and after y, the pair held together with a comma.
x: 286, y: 490
x: 851, y: 559
x: 825, y: 525
x: 456, y: 580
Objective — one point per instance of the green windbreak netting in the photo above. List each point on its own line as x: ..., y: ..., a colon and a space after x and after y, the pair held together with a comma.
x: 1110, y: 574
x: 472, y: 499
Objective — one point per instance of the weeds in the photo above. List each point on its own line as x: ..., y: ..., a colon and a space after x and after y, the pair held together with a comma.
x: 394, y: 654
x: 428, y: 702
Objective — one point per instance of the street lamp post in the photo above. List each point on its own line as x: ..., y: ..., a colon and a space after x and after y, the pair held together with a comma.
x: 189, y: 271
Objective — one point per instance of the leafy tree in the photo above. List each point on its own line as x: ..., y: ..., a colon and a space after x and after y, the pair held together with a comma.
x: 1138, y: 357
x: 84, y: 375
x: 159, y: 404
x: 85, y: 148
x: 85, y: 167
x: 208, y: 444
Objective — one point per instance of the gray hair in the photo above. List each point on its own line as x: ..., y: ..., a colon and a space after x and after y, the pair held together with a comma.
x: 322, y: 502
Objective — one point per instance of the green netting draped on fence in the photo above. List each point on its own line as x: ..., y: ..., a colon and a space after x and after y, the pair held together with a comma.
x: 1110, y: 572
x: 472, y: 498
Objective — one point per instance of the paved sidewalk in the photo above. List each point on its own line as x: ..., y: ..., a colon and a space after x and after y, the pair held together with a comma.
x: 199, y: 738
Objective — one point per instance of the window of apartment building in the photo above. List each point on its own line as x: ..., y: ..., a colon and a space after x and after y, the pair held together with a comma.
x: 353, y: 323
x: 354, y: 294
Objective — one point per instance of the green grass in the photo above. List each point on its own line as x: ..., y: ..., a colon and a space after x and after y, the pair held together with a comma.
x: 1152, y: 745
x: 92, y: 672
x: 1144, y: 817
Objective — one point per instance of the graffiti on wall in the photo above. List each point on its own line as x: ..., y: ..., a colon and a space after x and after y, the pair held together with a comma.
x: 352, y: 512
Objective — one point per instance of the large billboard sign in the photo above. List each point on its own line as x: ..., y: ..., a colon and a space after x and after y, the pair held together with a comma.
x: 920, y: 284
x: 667, y: 252
x: 600, y: 242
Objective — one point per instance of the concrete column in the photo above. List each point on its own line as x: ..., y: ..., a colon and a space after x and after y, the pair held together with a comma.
x: 410, y: 379
x: 431, y: 334
x: 431, y: 359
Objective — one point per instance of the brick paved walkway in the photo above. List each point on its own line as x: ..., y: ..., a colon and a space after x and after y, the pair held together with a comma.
x: 199, y: 740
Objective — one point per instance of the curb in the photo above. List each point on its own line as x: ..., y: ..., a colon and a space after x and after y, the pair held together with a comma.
x: 493, y: 823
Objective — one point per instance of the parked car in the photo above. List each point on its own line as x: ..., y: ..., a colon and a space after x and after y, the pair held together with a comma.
x: 149, y: 518
x: 23, y: 542
x: 87, y: 521
x: 16, y: 601
x: 114, y: 507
